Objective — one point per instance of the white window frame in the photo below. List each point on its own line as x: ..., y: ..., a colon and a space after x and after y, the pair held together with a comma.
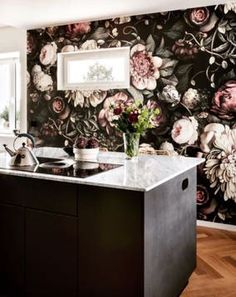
x: 13, y: 59
x: 63, y: 60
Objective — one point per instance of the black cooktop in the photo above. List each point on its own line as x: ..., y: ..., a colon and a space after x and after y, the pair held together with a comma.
x: 68, y: 168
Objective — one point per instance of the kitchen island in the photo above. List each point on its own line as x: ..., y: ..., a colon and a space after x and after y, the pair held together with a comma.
x: 125, y: 232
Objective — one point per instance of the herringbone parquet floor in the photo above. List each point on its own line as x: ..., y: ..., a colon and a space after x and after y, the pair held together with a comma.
x: 215, y: 275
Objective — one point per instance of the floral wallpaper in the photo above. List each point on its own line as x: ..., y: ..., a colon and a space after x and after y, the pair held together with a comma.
x: 183, y: 60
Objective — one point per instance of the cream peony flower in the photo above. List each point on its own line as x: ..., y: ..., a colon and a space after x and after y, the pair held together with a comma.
x: 210, y: 132
x: 89, y: 45
x: 220, y: 166
x: 185, y: 131
x: 230, y: 6
x: 144, y: 68
x: 82, y: 98
x: 48, y: 54
x: 42, y: 81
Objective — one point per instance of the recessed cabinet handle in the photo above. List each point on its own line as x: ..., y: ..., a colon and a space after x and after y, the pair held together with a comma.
x: 185, y: 184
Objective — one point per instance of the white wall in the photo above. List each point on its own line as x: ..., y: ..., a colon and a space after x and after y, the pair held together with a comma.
x: 11, y: 40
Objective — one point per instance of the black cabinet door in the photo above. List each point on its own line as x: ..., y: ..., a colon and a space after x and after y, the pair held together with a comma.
x: 11, y: 250
x: 50, y: 254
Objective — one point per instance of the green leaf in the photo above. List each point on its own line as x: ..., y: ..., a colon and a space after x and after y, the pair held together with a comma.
x: 72, y: 134
x: 167, y: 67
x: 172, y: 80
x: 164, y: 53
x: 150, y: 44
x: 221, y: 48
x: 94, y: 123
x: 176, y: 31
x: 183, y: 72
x: 161, y: 45
x: 100, y: 33
x: 135, y: 93
x: 183, y: 69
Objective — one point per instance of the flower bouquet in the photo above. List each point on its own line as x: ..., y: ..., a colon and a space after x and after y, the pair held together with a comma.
x: 133, y: 118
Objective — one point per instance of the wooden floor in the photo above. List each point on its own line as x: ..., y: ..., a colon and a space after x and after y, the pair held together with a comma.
x: 215, y: 275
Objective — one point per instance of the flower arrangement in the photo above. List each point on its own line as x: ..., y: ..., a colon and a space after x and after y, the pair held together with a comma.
x: 133, y: 118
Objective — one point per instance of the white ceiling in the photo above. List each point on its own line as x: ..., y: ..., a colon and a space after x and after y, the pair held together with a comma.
x: 38, y: 13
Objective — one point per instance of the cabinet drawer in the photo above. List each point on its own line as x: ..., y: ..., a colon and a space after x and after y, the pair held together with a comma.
x: 40, y: 194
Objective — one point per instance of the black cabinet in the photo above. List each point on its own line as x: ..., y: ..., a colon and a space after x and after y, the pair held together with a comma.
x: 50, y: 254
x: 68, y: 240
x: 11, y: 250
x: 38, y: 238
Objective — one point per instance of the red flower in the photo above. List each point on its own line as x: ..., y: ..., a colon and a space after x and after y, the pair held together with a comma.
x: 133, y: 117
x: 117, y: 111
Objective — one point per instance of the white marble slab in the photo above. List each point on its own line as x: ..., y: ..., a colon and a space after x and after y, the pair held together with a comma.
x: 143, y: 174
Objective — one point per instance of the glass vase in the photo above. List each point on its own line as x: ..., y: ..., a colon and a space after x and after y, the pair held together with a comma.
x: 131, y: 144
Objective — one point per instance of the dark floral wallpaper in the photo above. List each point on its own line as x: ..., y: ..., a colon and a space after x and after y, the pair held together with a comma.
x: 184, y: 60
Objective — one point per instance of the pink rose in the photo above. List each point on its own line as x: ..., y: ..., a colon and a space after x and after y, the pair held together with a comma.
x: 58, y: 105
x: 201, y: 18
x: 78, y: 29
x: 106, y: 115
x: 202, y: 195
x: 144, y: 68
x: 60, y: 108
x: 185, y: 131
x: 133, y: 117
x: 224, y: 101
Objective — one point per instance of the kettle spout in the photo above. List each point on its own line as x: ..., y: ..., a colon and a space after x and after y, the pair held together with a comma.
x: 10, y: 152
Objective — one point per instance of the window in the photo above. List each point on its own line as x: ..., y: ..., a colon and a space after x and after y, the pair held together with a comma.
x: 94, y: 69
x: 9, y: 92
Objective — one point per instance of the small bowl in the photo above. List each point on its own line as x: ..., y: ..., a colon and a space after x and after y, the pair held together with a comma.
x: 86, y: 154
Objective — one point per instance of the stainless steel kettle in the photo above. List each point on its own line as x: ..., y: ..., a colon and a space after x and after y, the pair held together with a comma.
x: 23, y: 156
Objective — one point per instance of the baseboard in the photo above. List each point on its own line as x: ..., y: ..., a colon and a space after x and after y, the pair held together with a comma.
x: 216, y: 225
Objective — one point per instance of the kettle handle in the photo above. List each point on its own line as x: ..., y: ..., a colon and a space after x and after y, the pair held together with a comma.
x: 24, y: 135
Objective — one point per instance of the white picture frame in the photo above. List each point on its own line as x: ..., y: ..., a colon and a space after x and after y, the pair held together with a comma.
x: 99, y: 69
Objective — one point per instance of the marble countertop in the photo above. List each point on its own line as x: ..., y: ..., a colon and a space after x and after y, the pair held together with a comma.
x: 143, y: 174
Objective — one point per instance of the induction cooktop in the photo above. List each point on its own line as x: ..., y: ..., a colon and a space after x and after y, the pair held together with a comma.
x: 66, y: 167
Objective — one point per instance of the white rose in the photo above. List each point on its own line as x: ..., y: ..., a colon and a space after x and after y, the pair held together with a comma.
x: 191, y: 98
x: 42, y: 81
x: 185, y: 131
x: 170, y: 95
x: 89, y: 45
x: 48, y: 54
x: 69, y: 48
